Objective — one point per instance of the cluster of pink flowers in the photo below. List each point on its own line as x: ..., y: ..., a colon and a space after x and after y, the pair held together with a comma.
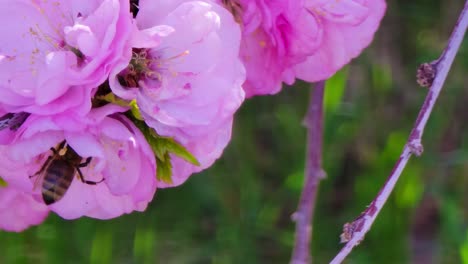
x: 100, y: 106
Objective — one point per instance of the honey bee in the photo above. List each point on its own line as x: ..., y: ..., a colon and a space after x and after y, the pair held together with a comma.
x: 58, y: 172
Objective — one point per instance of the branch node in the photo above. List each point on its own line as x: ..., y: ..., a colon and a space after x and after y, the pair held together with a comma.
x: 321, y: 174
x: 426, y: 73
x: 354, y: 232
x: 350, y: 228
x: 416, y: 147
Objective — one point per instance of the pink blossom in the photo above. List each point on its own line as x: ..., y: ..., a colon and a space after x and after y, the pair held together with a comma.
x: 273, y: 40
x: 18, y: 210
x: 185, y: 75
x: 54, y: 53
x: 119, y: 155
x: 348, y: 28
x: 307, y: 39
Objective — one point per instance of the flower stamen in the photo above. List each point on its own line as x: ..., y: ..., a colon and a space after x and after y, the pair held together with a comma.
x: 145, y: 66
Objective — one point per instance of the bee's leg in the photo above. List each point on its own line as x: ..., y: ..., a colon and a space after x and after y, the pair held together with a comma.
x: 48, y: 161
x: 86, y: 163
x: 39, y: 172
x: 54, y: 151
x: 80, y: 175
x: 44, y: 166
x: 60, y: 146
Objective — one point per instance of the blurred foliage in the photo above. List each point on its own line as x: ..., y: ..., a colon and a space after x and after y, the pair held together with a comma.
x: 239, y: 210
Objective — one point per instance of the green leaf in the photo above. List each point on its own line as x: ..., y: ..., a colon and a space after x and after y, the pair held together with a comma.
x: 168, y: 144
x: 162, y: 147
x: 135, y: 109
x: 151, y: 139
x: 111, y: 98
x: 3, y: 183
x: 164, y: 169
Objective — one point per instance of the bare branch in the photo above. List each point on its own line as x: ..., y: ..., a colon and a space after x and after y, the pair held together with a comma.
x: 354, y: 232
x: 313, y: 173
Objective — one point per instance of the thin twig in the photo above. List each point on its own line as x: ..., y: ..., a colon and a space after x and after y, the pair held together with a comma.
x: 313, y: 121
x: 353, y: 233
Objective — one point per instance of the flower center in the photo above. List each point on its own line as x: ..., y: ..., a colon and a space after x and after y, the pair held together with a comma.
x: 149, y: 66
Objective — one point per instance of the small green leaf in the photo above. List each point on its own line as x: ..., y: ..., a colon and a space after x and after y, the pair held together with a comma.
x: 168, y: 144
x: 162, y: 147
x: 3, y: 183
x: 141, y: 125
x: 164, y: 169
x: 153, y: 142
x: 135, y: 110
x: 111, y: 98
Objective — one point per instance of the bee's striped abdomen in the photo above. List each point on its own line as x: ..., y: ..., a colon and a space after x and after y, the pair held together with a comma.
x: 57, y: 180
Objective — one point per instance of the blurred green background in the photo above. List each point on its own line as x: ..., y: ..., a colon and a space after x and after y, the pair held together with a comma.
x: 239, y: 210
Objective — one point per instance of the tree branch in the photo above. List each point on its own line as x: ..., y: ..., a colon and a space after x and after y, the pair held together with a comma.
x: 354, y: 232
x: 313, y: 173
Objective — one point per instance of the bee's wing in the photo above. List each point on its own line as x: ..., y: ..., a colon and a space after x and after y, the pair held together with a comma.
x: 37, y: 181
x: 40, y: 173
x: 17, y: 120
x: 5, y: 121
x: 13, y: 120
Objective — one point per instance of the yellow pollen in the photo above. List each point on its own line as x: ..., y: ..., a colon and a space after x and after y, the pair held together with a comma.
x: 62, y: 151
